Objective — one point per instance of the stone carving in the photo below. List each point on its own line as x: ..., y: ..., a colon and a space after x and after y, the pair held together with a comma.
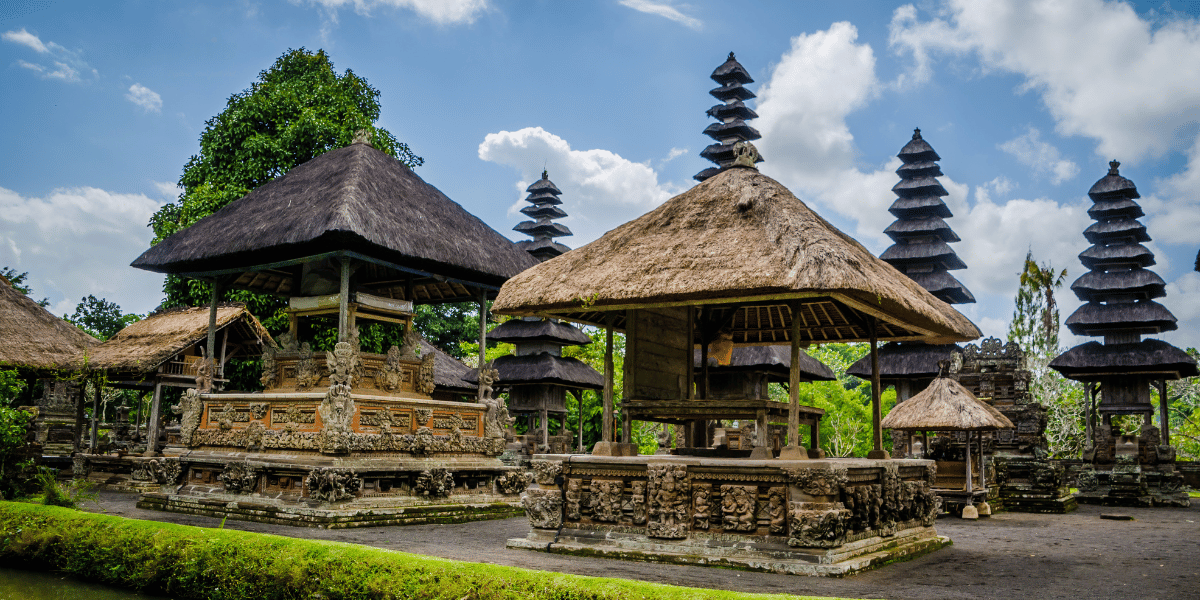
x: 258, y: 410
x: 496, y: 421
x: 488, y: 376
x: 701, y: 505
x: 337, y: 412
x: 512, y: 482
x: 818, y: 482
x: 574, y: 495
x: 423, y: 415
x: 669, y: 499
x: 190, y: 406
x: 606, y: 499
x: 434, y: 482
x: 637, y: 502
x: 425, y: 383
x: 254, y: 436
x: 161, y: 471
x: 543, y: 507
x: 410, y: 347
x: 390, y: 376
x: 204, y: 375
x: 58, y: 396
x: 344, y: 364
x: 288, y: 343
x: 864, y: 503
x: 239, y: 478
x: 79, y: 466
x: 306, y: 369
x: 270, y: 370
x: 546, y: 472
x: 226, y: 416
x: 737, y: 507
x: 818, y: 524
x: 777, y: 510
x: 1087, y: 481
x: 328, y: 484
x: 745, y: 155
x: 424, y: 442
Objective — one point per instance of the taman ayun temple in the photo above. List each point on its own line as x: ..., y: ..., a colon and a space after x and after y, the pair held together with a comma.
x: 1132, y: 462
x: 669, y: 278
x: 343, y: 438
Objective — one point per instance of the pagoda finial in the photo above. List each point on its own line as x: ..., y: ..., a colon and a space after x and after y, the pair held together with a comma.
x: 362, y: 136
x: 545, y: 174
x: 1112, y: 167
x: 916, y: 133
x: 731, y: 55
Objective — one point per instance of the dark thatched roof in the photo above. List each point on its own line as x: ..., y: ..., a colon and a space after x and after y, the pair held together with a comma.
x: 1154, y: 357
x: 739, y: 242
x: 905, y: 361
x: 543, y: 368
x: 32, y: 337
x: 945, y: 406
x: 448, y: 372
x: 1146, y: 316
x: 776, y: 360
x: 541, y: 330
x: 142, y: 346
x: 353, y: 199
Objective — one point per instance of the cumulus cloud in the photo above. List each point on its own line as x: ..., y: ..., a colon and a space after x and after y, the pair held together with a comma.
x: 169, y: 189
x: 80, y: 241
x: 1042, y: 157
x: 144, y: 97
x: 60, y: 63
x: 665, y: 10
x: 442, y: 12
x: 600, y: 188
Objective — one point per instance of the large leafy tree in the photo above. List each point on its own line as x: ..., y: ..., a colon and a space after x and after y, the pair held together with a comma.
x: 17, y: 280
x: 100, y: 318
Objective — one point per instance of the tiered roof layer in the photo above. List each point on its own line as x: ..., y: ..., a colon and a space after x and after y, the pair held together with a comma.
x: 732, y: 116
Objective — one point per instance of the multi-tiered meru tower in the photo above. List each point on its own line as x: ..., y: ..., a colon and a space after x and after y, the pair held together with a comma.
x: 1131, y: 464
x: 732, y: 115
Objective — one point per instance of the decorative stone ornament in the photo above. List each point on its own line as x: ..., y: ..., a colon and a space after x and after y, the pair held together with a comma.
x: 669, y: 501
x: 189, y: 408
x: 329, y: 484
x: 437, y: 482
x: 239, y: 478
x: 543, y: 507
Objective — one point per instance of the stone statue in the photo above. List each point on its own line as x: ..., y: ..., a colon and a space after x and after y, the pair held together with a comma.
x: 189, y: 408
x: 410, y: 349
x: 306, y: 369
x: 745, y: 155
x: 204, y: 375
x: 496, y: 420
x: 344, y: 364
x: 390, y: 376
x: 270, y: 370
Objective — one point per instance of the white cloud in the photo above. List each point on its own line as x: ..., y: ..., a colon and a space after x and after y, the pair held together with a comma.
x: 1175, y: 216
x: 600, y: 189
x: 80, y: 241
x: 169, y: 189
x: 673, y: 154
x: 1183, y: 300
x: 31, y: 66
x: 663, y: 9
x: 25, y: 38
x: 1042, y: 157
x: 442, y: 12
x: 144, y: 97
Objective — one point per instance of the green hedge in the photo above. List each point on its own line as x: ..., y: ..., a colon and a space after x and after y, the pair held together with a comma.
x: 216, y: 564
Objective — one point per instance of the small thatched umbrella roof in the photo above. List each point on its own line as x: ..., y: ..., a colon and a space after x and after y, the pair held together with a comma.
x: 742, y: 241
x: 356, y: 201
x: 32, y: 337
x: 145, y: 345
x: 945, y: 406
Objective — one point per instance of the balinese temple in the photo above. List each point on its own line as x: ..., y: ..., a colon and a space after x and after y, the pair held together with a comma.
x: 680, y: 277
x: 341, y: 438
x: 1128, y: 467
x: 537, y: 376
x: 732, y: 114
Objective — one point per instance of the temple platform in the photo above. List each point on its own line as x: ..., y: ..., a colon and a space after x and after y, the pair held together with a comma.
x: 826, y: 517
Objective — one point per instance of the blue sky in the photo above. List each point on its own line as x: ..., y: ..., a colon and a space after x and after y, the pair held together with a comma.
x: 1026, y: 102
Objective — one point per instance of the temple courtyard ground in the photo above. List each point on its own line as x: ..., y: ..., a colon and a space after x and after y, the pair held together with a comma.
x: 1009, y: 556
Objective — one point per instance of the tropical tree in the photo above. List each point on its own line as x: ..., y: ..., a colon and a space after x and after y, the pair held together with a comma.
x: 1183, y: 398
x: 17, y: 280
x: 1035, y: 322
x: 100, y: 318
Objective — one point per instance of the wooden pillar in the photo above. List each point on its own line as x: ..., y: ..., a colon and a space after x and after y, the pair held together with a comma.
x: 224, y: 346
x: 876, y: 409
x: 814, y: 435
x: 77, y: 432
x: 1087, y: 409
x: 137, y: 420
x: 793, y: 450
x: 1092, y: 403
x: 92, y: 435
x: 1164, y: 424
x: 482, y: 337
x: 579, y: 403
x: 970, y: 483
x: 982, y: 467
x: 545, y: 427
x: 606, y: 433
x: 344, y: 302
x: 152, y: 424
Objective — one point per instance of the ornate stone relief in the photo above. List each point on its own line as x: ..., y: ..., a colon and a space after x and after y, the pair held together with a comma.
x: 512, y: 482
x: 637, y: 502
x: 423, y: 415
x: 344, y: 364
x: 864, y: 503
x: 435, y: 482
x: 270, y: 368
x: 777, y: 510
x: 543, y: 507
x: 204, y: 375
x: 574, y: 494
x: 239, y: 478
x: 306, y: 369
x: 818, y: 482
x: 258, y: 410
x: 738, y: 503
x: 701, y: 505
x: 410, y: 346
x: 189, y: 408
x: 390, y: 376
x: 818, y: 524
x: 329, y: 484
x: 162, y: 471
x: 546, y: 472
x: 670, y: 494
x: 337, y: 412
x: 425, y: 383
x: 606, y: 499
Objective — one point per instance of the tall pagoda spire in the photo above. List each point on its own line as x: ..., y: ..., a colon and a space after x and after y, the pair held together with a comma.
x: 1118, y: 289
x: 733, y: 114
x: 921, y: 249
x: 543, y: 196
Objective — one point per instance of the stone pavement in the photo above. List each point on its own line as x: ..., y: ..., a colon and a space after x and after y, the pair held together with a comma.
x: 1008, y: 556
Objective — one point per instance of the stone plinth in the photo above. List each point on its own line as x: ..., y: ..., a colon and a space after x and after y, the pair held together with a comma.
x: 1030, y: 484
x: 828, y: 517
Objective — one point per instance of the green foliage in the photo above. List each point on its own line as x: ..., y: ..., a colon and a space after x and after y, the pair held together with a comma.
x: 11, y: 386
x: 1183, y: 397
x: 15, y: 464
x: 68, y: 495
x: 1035, y: 322
x: 846, y: 428
x: 452, y: 327
x: 18, y: 283
x: 593, y: 401
x: 217, y: 564
x: 100, y: 318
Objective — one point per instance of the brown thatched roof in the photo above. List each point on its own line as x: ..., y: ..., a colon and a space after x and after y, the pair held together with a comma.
x: 905, y: 361
x: 32, y: 337
x: 742, y: 242
x: 945, y: 406
x: 142, y: 346
x: 353, y: 199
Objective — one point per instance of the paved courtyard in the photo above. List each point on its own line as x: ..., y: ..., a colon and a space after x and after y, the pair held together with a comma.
x: 1008, y: 556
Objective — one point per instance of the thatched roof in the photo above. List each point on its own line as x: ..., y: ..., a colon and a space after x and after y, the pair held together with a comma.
x: 738, y: 242
x: 353, y: 199
x: 905, y: 361
x: 541, y: 330
x: 543, y: 368
x: 143, y: 346
x: 945, y: 406
x: 448, y: 372
x: 1155, y: 358
x: 32, y: 337
x: 775, y: 360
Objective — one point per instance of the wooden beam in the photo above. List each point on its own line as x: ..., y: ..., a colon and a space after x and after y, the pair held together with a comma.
x: 344, y: 302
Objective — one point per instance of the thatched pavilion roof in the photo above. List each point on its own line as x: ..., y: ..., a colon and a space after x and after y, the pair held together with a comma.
x: 741, y: 243
x: 945, y: 406
x: 354, y: 201
x: 143, y: 346
x: 32, y: 337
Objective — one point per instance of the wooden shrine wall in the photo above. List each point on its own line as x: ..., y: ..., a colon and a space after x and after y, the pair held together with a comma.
x: 658, y: 353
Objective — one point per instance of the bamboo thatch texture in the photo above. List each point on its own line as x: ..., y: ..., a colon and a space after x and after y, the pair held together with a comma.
x: 142, y: 346
x: 945, y: 406
x: 32, y: 337
x: 739, y: 235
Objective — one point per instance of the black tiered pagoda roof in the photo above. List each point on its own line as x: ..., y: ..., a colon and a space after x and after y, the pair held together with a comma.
x: 543, y: 196
x: 732, y: 115
x: 1119, y: 294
